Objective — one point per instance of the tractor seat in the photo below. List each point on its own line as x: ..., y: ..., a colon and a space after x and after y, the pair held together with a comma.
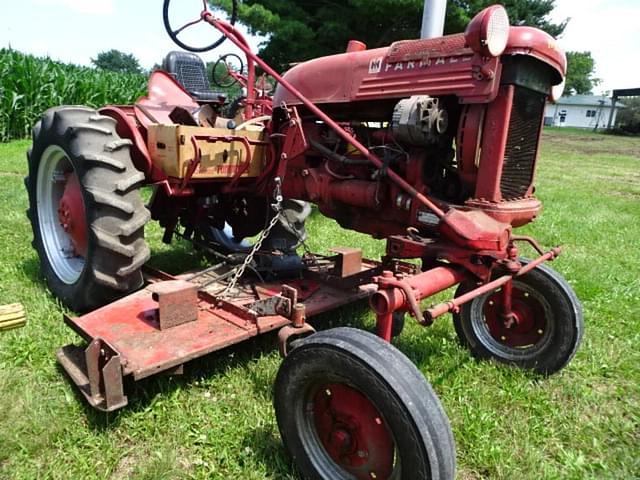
x: 189, y: 70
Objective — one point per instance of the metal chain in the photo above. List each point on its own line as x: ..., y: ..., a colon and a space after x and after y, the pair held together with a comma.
x: 277, y: 206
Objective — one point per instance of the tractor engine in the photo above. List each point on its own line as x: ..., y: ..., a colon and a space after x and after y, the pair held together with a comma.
x: 458, y: 118
x: 435, y: 138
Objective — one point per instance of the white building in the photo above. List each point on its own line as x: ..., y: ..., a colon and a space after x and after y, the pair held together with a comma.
x: 582, y: 111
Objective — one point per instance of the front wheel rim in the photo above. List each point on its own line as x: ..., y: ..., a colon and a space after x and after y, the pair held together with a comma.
x: 56, y: 177
x: 344, y: 434
x: 530, y: 335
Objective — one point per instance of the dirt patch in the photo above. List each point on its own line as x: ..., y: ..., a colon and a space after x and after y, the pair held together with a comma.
x: 126, y: 466
x: 631, y: 195
x: 468, y: 475
x: 627, y: 178
x: 592, y: 144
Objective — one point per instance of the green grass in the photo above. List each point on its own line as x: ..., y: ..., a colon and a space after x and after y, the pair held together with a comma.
x: 217, y: 420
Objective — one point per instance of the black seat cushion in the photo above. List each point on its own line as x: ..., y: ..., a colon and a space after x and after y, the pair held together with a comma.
x: 189, y: 70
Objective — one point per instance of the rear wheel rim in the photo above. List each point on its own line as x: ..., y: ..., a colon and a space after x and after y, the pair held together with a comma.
x: 527, y: 337
x: 62, y: 240
x: 343, y: 431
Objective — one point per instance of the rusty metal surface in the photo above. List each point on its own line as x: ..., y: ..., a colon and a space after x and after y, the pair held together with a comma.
x: 454, y: 304
x: 131, y: 325
x: 177, y: 302
x: 349, y: 261
x: 304, y: 288
x: 97, y: 372
x: 276, y: 305
x: 289, y: 333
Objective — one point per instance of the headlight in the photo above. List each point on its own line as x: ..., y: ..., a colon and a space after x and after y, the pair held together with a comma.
x: 488, y: 32
x: 557, y: 91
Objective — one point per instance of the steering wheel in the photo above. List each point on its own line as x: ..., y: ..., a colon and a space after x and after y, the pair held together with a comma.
x: 224, y: 78
x: 173, y: 34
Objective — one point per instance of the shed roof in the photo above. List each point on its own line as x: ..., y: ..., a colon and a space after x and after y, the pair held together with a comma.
x: 587, y: 101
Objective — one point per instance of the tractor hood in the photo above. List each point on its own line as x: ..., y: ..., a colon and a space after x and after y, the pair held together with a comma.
x: 438, y: 66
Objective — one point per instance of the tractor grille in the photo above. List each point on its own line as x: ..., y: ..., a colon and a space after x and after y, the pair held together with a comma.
x: 522, y: 143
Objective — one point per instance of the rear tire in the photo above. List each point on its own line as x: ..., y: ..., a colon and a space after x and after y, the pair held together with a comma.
x: 99, y: 257
x: 350, y: 405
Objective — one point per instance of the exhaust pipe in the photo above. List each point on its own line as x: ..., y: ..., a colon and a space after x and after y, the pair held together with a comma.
x: 433, y: 18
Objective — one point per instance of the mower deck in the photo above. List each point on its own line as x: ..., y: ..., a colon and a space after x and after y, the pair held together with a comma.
x: 172, y: 321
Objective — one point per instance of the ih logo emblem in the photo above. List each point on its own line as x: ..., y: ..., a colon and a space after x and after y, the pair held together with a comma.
x: 375, y: 65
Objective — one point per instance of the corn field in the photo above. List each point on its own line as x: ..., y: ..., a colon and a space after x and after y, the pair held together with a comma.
x: 29, y: 85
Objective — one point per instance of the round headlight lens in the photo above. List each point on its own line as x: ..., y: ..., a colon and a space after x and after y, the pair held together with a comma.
x: 497, y: 32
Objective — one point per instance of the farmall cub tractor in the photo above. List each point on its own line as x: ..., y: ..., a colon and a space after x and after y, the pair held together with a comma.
x: 429, y: 144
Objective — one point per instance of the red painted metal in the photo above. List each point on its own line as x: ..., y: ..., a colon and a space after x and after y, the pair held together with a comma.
x: 177, y: 302
x: 169, y: 323
x: 72, y: 215
x: 128, y: 127
x: 440, y: 66
x: 405, y: 293
x: 474, y: 230
x: 493, y: 145
x: 523, y: 326
x: 353, y: 432
x: 514, y: 212
x: 468, y: 139
x: 164, y: 94
x: 384, y: 326
x: 412, y: 67
x: 356, y: 46
x: 454, y: 304
x: 237, y: 38
x: 131, y: 325
x: 538, y: 44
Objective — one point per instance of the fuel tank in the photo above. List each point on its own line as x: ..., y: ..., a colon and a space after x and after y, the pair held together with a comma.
x: 435, y: 67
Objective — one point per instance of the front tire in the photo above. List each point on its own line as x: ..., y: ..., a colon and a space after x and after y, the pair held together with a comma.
x: 548, y: 329
x: 350, y: 405
x: 85, y: 208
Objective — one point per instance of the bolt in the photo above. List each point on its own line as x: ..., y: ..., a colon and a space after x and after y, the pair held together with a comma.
x: 526, y: 294
x: 373, y: 475
x: 540, y: 332
x: 58, y: 177
x: 361, y: 453
x: 491, y: 302
x: 378, y: 420
x: 328, y: 392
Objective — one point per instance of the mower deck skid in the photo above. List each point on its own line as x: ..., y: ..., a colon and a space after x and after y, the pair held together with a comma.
x: 172, y: 321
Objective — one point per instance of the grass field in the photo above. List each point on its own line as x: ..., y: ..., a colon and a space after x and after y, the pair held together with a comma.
x: 217, y: 421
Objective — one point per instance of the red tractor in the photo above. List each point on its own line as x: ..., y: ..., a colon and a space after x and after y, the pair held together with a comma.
x: 430, y: 144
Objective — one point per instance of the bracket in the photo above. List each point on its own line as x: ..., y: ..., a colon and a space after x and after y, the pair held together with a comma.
x: 97, y: 371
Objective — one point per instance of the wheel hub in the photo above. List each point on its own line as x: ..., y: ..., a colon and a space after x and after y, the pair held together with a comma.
x: 526, y: 324
x: 72, y: 215
x: 340, y: 439
x: 353, y: 432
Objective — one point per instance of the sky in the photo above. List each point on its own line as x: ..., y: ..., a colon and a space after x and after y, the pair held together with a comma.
x: 77, y: 30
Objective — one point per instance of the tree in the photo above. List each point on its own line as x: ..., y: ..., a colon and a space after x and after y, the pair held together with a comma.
x: 580, y: 79
x: 117, y: 61
x: 628, y: 118
x: 302, y: 29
